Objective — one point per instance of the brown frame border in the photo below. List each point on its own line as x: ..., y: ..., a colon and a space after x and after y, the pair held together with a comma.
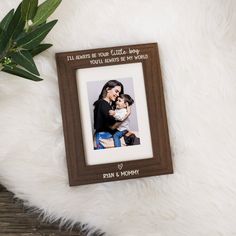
x: 79, y: 173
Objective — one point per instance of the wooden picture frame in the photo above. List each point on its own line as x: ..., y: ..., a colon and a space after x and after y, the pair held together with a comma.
x: 79, y: 74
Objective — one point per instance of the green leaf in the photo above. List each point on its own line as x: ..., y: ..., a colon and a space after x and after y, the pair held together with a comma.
x: 14, y: 27
x: 6, y: 20
x: 40, y: 48
x: 21, y: 35
x: 6, y: 34
x: 45, y: 10
x: 24, y: 59
x: 20, y: 72
x: 28, y: 9
x: 34, y: 38
x: 4, y: 42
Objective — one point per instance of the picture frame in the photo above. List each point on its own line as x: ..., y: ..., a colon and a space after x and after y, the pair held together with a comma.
x: 140, y: 148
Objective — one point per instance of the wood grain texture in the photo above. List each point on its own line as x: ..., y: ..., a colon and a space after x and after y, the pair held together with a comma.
x: 16, y: 221
x: 160, y: 161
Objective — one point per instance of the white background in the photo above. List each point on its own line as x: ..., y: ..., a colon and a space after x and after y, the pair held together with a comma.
x: 198, y: 60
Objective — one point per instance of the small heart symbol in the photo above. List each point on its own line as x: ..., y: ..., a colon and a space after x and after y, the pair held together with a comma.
x: 120, y: 166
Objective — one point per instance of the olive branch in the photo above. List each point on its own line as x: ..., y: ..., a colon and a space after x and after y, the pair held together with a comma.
x: 21, y: 34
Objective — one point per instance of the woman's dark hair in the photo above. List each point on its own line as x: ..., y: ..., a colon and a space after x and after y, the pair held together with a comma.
x: 110, y: 85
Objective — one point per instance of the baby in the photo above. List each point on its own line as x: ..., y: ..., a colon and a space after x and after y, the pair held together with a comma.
x: 121, y: 113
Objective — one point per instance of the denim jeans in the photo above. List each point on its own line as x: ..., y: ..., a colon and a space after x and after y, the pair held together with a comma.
x: 99, y: 136
x: 117, y: 136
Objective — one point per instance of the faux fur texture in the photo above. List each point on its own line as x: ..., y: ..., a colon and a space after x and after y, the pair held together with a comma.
x: 197, y: 43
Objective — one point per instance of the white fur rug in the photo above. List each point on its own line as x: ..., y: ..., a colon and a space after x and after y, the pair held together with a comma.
x: 197, y: 43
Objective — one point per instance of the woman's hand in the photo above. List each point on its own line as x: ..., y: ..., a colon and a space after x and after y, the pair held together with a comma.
x: 112, y: 113
x: 128, y: 108
x: 116, y: 125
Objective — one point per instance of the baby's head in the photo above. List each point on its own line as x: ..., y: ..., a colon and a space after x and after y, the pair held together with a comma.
x: 122, y: 100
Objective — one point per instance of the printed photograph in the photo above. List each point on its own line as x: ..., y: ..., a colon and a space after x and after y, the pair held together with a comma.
x: 113, y: 113
x: 114, y: 116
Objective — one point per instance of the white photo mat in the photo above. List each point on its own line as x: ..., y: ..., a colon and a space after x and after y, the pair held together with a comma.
x: 105, y: 73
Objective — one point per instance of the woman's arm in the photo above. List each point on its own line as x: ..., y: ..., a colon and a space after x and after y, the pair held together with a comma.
x: 108, y: 119
x: 112, y: 113
x: 117, y: 124
x: 128, y: 108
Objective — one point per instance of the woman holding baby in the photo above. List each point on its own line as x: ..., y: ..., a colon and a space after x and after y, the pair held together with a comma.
x: 105, y: 123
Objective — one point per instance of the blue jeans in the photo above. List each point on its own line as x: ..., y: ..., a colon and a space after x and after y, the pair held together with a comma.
x: 99, y: 136
x: 117, y: 136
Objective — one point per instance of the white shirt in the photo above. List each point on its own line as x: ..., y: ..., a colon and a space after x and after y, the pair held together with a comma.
x: 120, y: 115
